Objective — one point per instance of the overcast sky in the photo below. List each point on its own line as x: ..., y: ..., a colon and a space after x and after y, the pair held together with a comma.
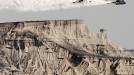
x: 117, y: 20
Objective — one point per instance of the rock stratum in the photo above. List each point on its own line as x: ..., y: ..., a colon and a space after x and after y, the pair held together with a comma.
x: 59, y: 47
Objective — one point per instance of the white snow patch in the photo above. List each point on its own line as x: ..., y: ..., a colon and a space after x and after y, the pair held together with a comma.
x: 42, y: 5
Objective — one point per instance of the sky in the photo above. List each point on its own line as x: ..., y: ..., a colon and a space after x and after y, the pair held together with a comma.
x: 118, y: 20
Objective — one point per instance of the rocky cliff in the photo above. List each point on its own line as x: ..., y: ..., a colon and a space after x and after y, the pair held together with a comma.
x: 59, y: 47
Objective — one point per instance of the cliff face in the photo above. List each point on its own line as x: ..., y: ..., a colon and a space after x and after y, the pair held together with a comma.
x: 58, y: 47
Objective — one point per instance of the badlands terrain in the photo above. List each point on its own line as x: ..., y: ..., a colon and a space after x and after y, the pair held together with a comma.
x: 59, y: 47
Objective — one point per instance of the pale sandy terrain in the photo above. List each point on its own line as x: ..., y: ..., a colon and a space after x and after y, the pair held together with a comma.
x: 59, y: 47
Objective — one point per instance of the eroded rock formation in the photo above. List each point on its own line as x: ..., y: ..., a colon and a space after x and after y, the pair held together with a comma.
x: 59, y: 47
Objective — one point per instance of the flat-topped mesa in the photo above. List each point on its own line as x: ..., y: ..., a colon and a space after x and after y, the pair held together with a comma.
x: 68, y: 28
x: 58, y: 47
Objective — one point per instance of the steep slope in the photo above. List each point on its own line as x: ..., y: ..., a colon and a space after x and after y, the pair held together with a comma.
x: 59, y: 47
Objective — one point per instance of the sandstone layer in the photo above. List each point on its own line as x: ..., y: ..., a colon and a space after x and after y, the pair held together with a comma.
x: 59, y: 47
